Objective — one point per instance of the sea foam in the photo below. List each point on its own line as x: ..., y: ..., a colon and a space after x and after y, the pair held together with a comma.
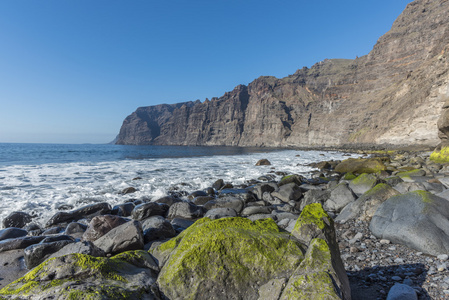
x: 42, y: 190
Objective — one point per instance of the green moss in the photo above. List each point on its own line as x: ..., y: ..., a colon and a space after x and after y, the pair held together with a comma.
x: 415, y: 172
x: 234, y: 249
x: 425, y: 196
x: 349, y: 176
x: 312, y: 213
x: 440, y: 156
x: 376, y: 189
x: 361, y: 165
x: 313, y: 278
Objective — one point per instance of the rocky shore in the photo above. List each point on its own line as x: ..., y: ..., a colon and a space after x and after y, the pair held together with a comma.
x: 369, y: 228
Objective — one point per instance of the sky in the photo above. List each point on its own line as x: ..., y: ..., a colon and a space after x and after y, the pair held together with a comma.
x: 72, y: 70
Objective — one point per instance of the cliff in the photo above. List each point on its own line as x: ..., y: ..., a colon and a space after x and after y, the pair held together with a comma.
x: 392, y: 96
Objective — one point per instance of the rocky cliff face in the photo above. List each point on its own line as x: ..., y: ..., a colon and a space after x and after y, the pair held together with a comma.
x: 393, y: 96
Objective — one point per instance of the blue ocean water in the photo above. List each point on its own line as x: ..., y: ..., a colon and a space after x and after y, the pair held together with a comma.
x: 36, y: 154
x: 40, y: 179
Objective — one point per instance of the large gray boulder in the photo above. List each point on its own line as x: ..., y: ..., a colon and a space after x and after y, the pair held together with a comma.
x: 157, y: 227
x: 340, y: 196
x: 363, y: 183
x: 417, y: 219
x: 366, y: 205
x: 287, y: 192
x: 186, y: 210
x: 128, y: 236
x: 100, y: 225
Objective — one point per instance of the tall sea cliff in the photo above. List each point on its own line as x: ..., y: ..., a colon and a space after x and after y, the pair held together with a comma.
x: 394, y: 96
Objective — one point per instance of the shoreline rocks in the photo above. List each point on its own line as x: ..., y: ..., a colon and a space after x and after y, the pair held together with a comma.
x: 359, y: 253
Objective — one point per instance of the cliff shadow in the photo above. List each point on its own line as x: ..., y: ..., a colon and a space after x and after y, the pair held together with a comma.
x: 374, y: 283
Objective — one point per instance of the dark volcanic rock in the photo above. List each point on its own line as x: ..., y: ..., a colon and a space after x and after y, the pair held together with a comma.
x: 16, y: 219
x: 157, y: 227
x: 12, y: 232
x: 146, y: 210
x: 87, y: 211
x: 36, y: 254
x: 100, y: 225
x: 128, y: 236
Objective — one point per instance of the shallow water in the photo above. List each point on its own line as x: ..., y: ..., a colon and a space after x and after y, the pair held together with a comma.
x: 38, y: 179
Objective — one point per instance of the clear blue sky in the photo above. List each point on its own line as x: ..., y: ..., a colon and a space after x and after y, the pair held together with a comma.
x: 71, y: 71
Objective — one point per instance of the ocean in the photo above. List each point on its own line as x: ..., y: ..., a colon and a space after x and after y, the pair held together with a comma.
x: 42, y: 179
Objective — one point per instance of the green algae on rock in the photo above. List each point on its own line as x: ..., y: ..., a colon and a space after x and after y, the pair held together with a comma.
x: 361, y: 165
x: 315, y: 276
x: 315, y: 223
x: 126, y: 275
x: 363, y: 183
x: 231, y: 255
x: 440, y: 155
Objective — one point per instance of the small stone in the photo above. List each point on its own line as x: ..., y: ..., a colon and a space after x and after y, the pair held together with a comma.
x: 396, y: 278
x: 354, y: 249
x: 399, y: 260
x: 263, y: 162
x: 385, y: 242
x: 441, y: 267
x: 443, y: 257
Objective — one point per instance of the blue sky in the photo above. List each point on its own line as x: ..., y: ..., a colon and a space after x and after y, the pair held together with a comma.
x: 71, y: 71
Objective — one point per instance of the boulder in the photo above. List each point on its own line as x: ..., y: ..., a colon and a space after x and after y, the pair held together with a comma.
x: 417, y: 219
x: 16, y: 219
x: 361, y: 165
x: 83, y: 247
x: 363, y: 183
x: 100, y: 225
x: 226, y: 202
x: 315, y: 228
x: 365, y: 207
x: 261, y: 188
x: 314, y: 196
x: 169, y: 200
x: 128, y: 190
x: 185, y: 210
x: 405, y: 187
x: 19, y: 243
x: 287, y: 192
x: 297, y: 179
x: 75, y: 230
x: 339, y: 197
x: 221, y: 212
x: 129, y: 275
x: 232, y: 255
x: 11, y: 233
x: 441, y: 154
x: 157, y: 227
x: 36, y: 254
x: 146, y: 210
x: 252, y: 210
x: 123, y: 210
x: 201, y: 200
x: 128, y: 236
x: 263, y: 162
x: 88, y: 212
x: 218, y: 184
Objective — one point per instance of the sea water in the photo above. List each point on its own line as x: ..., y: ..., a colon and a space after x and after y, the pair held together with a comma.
x: 42, y: 179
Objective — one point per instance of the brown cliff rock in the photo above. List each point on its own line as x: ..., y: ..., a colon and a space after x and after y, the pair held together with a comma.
x: 392, y: 96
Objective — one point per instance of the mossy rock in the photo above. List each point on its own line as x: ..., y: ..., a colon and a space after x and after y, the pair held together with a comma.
x: 411, y: 173
x: 129, y: 275
x: 349, y: 176
x: 297, y: 179
x: 363, y: 183
x: 361, y: 165
x: 440, y: 155
x: 230, y: 257
x: 315, y: 278
x: 314, y: 223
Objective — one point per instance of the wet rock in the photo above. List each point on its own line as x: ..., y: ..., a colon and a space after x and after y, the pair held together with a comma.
x: 218, y: 184
x: 169, y: 200
x: 128, y: 190
x: 19, y: 243
x: 146, y: 210
x: 181, y: 224
x: 88, y: 211
x: 201, y: 200
x: 11, y: 233
x: 16, y: 219
x: 12, y: 266
x: 53, y: 230
x: 157, y: 227
x: 36, y: 254
x: 100, y: 225
x: 185, y: 210
x: 252, y: 210
x: 123, y: 210
x: 128, y: 236
x: 263, y: 162
x: 83, y: 247
x: 261, y: 188
x: 196, y: 194
x: 75, y: 229
x: 288, y: 192
x: 297, y: 179
x: 314, y: 196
